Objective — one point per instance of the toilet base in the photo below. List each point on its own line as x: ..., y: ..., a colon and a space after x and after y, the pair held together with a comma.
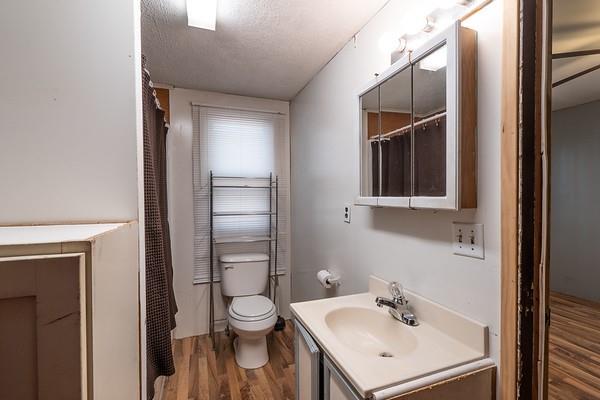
x: 251, y: 353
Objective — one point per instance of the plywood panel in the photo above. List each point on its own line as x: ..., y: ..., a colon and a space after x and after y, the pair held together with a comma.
x: 509, y: 190
x: 468, y: 129
x: 163, y: 98
x: 18, y: 348
x: 115, y: 314
x: 389, y: 122
x: 42, y: 298
x: 478, y: 385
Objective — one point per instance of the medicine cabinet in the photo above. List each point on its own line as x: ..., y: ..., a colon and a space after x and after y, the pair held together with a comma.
x: 417, y: 127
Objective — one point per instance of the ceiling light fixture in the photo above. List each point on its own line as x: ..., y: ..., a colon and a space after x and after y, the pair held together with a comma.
x: 202, y: 14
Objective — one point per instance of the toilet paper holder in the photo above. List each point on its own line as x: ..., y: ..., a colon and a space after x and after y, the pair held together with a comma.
x: 328, y: 278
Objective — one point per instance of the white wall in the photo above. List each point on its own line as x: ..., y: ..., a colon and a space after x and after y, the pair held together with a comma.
x: 192, y: 300
x: 69, y: 76
x: 71, y: 132
x: 575, y: 190
x: 413, y: 247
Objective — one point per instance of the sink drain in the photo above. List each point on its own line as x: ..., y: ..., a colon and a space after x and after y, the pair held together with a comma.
x: 385, y: 354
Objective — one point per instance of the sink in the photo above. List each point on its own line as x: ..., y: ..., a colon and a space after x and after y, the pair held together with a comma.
x: 375, y: 351
x: 371, y: 332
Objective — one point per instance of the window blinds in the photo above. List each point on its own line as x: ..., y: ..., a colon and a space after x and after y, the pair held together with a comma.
x: 240, y: 144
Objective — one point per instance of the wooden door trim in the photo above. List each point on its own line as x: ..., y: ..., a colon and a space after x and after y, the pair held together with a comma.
x: 521, y: 199
x: 509, y: 200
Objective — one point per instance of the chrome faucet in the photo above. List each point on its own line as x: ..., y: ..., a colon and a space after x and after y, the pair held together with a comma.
x: 398, y: 305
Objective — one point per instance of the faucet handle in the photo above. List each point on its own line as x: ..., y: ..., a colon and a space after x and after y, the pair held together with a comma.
x: 397, y: 292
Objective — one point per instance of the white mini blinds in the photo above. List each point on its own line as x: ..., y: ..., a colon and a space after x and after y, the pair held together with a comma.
x: 236, y: 143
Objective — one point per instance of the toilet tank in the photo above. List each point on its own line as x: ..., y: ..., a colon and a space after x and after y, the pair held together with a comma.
x: 243, y: 274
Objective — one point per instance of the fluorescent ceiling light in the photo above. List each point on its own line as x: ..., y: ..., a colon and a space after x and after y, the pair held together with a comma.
x: 202, y: 14
x: 435, y: 60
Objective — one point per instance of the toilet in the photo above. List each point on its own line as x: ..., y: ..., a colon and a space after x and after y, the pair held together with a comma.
x: 251, y: 315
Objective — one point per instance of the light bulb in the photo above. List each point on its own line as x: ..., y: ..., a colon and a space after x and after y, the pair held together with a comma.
x: 414, y: 25
x: 446, y: 4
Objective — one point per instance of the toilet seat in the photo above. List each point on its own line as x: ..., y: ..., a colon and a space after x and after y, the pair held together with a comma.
x: 251, y: 308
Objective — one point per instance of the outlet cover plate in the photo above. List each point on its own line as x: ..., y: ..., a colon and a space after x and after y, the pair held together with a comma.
x: 347, y: 213
x: 467, y: 240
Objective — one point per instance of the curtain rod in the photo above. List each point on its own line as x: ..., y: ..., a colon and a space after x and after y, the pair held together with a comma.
x: 238, y: 108
x: 418, y: 123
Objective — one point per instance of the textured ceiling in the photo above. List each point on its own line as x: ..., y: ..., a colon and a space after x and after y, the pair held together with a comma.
x: 261, y: 48
x: 576, y: 26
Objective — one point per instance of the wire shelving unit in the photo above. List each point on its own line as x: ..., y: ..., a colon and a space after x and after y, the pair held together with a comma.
x: 270, y: 184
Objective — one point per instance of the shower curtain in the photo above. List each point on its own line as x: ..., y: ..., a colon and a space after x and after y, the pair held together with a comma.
x: 160, y: 300
x: 428, y: 169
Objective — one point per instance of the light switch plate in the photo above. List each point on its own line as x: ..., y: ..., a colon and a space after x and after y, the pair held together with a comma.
x: 347, y: 213
x: 468, y: 240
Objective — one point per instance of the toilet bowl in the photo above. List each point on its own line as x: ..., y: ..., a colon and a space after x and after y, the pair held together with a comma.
x: 251, y: 318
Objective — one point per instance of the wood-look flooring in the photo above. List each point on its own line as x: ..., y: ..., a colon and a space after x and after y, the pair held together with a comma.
x: 203, y: 374
x: 574, y: 349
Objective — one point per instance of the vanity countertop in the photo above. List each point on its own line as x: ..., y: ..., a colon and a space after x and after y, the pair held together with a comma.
x: 375, y: 351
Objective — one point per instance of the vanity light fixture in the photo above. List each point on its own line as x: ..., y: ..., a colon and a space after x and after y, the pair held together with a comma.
x: 439, y: 14
x: 388, y: 42
x: 202, y: 14
x: 412, y: 26
x: 446, y: 4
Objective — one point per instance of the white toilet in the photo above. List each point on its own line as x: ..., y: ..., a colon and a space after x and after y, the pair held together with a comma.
x: 251, y: 315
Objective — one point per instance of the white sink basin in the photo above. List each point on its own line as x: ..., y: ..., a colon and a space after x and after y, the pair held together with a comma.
x: 371, y: 332
x: 376, y: 351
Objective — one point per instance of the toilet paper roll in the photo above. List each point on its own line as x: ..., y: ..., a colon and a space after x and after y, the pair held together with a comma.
x: 324, y: 277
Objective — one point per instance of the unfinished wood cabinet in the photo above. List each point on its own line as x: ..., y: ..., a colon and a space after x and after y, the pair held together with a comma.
x: 69, y: 315
x: 418, y: 127
x: 476, y: 385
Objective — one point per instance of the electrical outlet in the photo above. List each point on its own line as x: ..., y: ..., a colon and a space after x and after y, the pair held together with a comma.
x: 468, y: 240
x: 347, y: 212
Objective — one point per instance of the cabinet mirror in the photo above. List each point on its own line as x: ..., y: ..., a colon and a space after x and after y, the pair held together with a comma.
x: 429, y: 121
x: 418, y: 126
x: 370, y: 150
x: 396, y: 134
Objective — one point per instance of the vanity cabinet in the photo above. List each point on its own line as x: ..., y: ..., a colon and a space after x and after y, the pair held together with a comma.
x: 335, y: 386
x: 417, y: 127
x: 318, y: 378
x: 308, y: 365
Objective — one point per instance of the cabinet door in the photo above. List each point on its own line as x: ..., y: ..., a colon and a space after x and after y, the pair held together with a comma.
x: 436, y: 122
x: 308, y: 365
x: 370, y: 151
x: 396, y: 137
x: 335, y: 385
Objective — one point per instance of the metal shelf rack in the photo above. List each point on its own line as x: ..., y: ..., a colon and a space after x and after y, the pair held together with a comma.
x: 271, y: 238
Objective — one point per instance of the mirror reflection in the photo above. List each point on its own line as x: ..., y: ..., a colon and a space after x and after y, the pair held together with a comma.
x: 370, y: 143
x: 395, y: 108
x: 429, y: 108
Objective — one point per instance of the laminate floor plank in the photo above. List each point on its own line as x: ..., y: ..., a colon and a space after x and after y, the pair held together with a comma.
x: 574, y: 349
x: 204, y: 374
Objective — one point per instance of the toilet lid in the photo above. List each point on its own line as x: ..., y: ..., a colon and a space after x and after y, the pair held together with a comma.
x: 251, y: 308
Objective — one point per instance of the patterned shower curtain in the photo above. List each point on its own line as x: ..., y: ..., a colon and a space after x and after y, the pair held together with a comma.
x: 160, y: 300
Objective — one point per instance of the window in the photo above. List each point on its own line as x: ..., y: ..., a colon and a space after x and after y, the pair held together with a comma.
x: 237, y: 143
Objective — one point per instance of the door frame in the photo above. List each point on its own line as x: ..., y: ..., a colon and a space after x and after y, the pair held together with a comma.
x: 524, y: 207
